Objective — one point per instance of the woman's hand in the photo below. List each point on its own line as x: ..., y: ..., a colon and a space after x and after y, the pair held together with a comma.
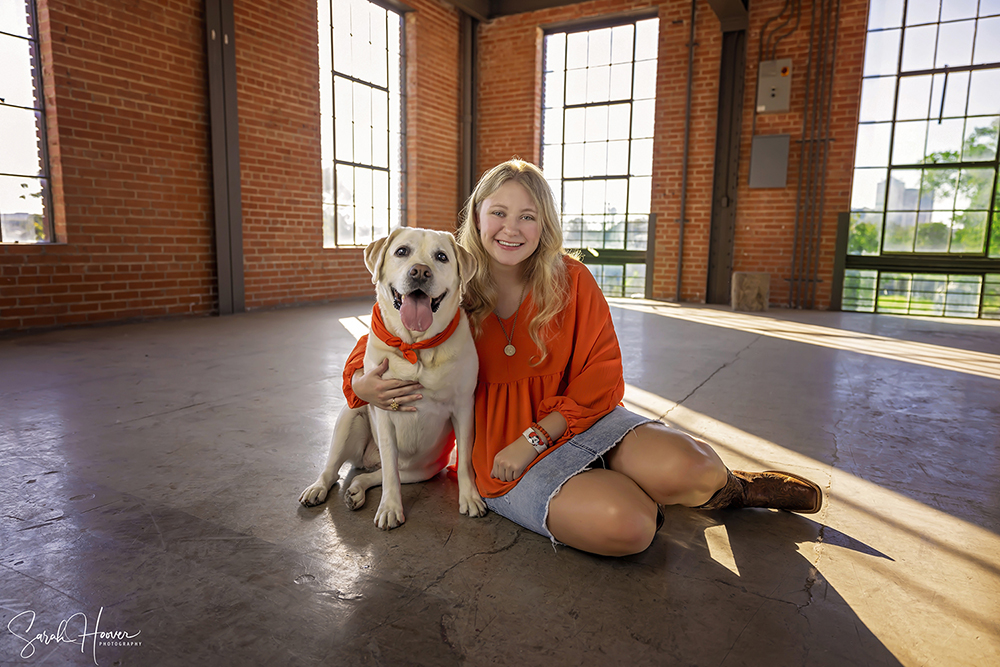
x: 372, y: 389
x: 511, y: 461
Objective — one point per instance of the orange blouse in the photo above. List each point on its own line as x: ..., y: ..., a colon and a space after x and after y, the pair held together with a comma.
x: 581, y: 378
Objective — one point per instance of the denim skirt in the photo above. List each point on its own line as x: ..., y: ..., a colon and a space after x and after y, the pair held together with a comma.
x: 527, y: 504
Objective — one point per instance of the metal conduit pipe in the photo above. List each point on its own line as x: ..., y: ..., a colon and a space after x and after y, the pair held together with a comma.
x: 813, y: 139
x: 825, y: 146
x: 793, y: 288
x: 813, y: 163
x: 687, y: 149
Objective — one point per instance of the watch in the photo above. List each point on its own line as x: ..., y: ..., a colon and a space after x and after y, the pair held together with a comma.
x: 536, y: 440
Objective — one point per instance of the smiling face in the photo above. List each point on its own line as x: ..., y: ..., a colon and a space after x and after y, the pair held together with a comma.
x: 508, y: 224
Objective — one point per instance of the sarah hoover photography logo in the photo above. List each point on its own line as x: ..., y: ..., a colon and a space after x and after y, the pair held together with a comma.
x: 31, y: 637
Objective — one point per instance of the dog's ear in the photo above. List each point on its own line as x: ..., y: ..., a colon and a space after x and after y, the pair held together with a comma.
x: 375, y: 253
x: 467, y: 266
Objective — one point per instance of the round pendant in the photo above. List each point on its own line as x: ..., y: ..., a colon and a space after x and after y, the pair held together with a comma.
x: 509, y: 350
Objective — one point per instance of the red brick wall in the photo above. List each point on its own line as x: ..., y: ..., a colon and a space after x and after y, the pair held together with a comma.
x: 126, y: 91
x: 508, y: 99
x: 433, y: 115
x: 126, y: 86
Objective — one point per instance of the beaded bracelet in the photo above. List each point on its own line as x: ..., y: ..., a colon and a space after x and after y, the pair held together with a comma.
x: 545, y: 434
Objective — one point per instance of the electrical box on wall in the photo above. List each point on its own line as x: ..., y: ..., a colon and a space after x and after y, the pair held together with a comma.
x: 774, y: 85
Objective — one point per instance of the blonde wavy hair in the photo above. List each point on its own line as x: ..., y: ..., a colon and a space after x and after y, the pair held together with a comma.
x: 545, y: 270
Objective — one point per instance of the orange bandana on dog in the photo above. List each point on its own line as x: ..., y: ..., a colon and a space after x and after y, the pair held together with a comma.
x: 384, y: 335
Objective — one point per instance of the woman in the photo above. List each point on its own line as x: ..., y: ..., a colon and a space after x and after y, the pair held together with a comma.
x: 554, y: 451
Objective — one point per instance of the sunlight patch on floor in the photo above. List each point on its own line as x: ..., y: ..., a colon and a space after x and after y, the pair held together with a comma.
x: 924, y: 354
x: 888, y: 545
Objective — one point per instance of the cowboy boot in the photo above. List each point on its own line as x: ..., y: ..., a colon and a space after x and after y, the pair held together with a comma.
x: 772, y: 489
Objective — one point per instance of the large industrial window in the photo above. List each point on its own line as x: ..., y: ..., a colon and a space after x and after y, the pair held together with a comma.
x: 361, y: 106
x: 24, y: 181
x: 925, y: 229
x: 598, y: 101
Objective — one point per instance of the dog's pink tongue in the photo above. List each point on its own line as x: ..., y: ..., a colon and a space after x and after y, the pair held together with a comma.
x: 416, y: 312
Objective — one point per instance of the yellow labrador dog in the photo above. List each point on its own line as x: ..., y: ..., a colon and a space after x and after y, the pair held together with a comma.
x: 418, y: 325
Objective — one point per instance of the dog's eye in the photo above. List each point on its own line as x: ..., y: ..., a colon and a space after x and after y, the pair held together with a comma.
x: 441, y: 257
x: 402, y: 251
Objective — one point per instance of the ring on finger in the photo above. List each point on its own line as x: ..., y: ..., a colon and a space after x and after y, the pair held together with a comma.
x: 394, y: 405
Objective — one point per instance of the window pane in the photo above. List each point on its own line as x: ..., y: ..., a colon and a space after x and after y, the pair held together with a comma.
x: 622, y: 43
x: 922, y: 11
x: 646, y: 36
x: 893, y: 293
x: 952, y: 10
x: 15, y: 76
x: 595, y: 157
x: 555, y: 52
x: 969, y: 232
x: 873, y: 145
x: 576, y: 125
x: 885, y: 14
x: 645, y: 80
x: 642, y: 157
x: 962, y: 297
x: 596, y: 124
x: 938, y: 188
x: 933, y: 234
x: 865, y: 234
x: 984, y: 92
x: 944, y: 140
x: 20, y: 143
x: 899, y: 231
x: 981, y: 139
x: 859, y: 290
x: 22, y: 210
x: 599, y: 48
x: 918, y: 52
x: 576, y: 86
x: 955, y: 44
x: 638, y: 195
x: 14, y: 18
x: 927, y: 294
x: 621, y: 82
x: 618, y: 157
x: 914, y: 98
x: 618, y: 121
x: 987, y: 42
x: 876, y: 99
x: 974, y: 189
x: 576, y: 50
x: 882, y: 52
x: 904, y: 190
x: 642, y: 118
x: 598, y: 84
x: 909, y: 142
x: 868, y: 189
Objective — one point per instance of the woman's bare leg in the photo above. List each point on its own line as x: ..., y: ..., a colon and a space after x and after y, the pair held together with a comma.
x: 670, y: 466
x: 603, y: 512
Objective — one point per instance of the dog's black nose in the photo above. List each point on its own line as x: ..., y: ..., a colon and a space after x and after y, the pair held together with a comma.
x: 420, y: 272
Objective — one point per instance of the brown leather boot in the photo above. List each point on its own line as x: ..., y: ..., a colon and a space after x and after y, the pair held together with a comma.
x: 772, y: 488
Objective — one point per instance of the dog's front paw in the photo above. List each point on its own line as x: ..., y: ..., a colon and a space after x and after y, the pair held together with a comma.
x: 389, y: 516
x: 314, y: 495
x: 354, y: 497
x: 472, y: 504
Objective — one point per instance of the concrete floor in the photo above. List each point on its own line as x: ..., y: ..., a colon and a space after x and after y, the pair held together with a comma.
x: 151, y: 473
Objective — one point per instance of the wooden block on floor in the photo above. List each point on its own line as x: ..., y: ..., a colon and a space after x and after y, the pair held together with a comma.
x: 750, y: 291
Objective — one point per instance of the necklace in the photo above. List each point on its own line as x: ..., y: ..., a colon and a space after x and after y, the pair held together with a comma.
x: 509, y: 349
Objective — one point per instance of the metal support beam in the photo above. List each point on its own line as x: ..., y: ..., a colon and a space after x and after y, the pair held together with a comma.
x: 221, y: 46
